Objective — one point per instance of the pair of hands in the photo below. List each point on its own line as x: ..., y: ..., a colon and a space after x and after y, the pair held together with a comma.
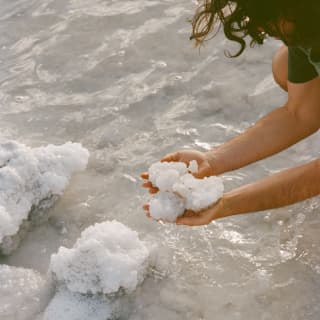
x: 189, y: 217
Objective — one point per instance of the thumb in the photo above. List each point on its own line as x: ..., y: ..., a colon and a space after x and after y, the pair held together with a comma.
x: 203, y: 171
x: 192, y: 221
x: 171, y: 157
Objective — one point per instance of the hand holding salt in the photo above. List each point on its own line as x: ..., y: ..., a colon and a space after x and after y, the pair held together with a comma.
x: 179, y: 190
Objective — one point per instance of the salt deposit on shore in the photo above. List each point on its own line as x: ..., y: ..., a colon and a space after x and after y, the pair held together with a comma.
x: 106, y: 258
x: 107, y: 261
x: 30, y: 181
x: 23, y: 293
x: 68, y: 305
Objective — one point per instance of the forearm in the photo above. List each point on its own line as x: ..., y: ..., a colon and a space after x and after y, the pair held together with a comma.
x: 284, y: 188
x: 273, y: 133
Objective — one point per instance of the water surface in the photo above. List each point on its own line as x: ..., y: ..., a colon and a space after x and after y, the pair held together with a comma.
x: 122, y: 78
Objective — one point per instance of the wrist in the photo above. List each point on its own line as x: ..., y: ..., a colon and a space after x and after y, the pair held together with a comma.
x: 214, y: 163
x: 226, y: 205
x: 221, y: 208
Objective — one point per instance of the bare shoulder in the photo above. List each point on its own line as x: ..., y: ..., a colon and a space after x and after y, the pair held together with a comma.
x: 304, y: 92
x: 304, y: 100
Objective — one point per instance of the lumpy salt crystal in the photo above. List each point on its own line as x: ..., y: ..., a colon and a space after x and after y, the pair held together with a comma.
x: 28, y: 176
x: 68, y: 305
x: 199, y: 193
x: 166, y: 180
x: 166, y: 206
x: 193, y: 166
x: 180, y: 190
x: 106, y: 258
x: 160, y: 173
x: 23, y: 293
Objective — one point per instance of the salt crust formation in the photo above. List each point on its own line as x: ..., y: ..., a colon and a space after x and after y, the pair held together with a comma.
x: 23, y: 293
x: 68, y: 305
x: 180, y: 190
x: 32, y: 178
x: 106, y: 259
x: 105, y: 262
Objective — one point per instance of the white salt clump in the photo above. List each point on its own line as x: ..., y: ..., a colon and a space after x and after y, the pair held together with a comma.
x: 68, y: 305
x: 193, y: 166
x: 164, y: 174
x: 30, y: 176
x: 166, y: 180
x: 166, y: 206
x: 23, y: 293
x: 180, y: 190
x: 106, y: 258
x: 199, y: 193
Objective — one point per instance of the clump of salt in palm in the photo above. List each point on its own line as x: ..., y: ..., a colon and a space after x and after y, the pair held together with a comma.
x: 180, y: 190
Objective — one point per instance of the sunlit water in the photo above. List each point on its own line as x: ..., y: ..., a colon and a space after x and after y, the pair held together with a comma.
x: 122, y: 78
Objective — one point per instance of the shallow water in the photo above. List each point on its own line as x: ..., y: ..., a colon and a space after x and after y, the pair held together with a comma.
x: 122, y: 78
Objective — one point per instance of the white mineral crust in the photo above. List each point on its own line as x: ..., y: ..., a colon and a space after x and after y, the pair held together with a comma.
x: 30, y: 175
x: 68, y: 305
x: 106, y: 258
x: 23, y: 293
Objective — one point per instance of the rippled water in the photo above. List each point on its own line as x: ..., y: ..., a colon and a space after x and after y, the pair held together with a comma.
x: 122, y: 78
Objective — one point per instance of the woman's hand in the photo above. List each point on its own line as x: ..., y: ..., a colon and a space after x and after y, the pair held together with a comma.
x: 200, y: 218
x: 204, y: 168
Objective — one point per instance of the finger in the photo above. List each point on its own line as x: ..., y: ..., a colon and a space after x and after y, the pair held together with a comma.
x: 189, y: 213
x: 147, y: 184
x: 153, y: 190
x: 186, y: 221
x: 187, y: 218
x: 189, y: 221
x: 202, y: 172
x: 146, y: 207
x: 170, y: 157
x: 148, y: 215
x: 144, y: 175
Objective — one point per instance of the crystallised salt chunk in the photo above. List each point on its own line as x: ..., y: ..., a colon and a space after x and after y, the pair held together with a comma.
x: 199, y: 193
x: 166, y: 180
x: 180, y: 190
x: 166, y: 206
x: 164, y: 174
x: 193, y: 166
x: 30, y: 175
x: 67, y: 305
x: 23, y: 293
x: 7, y: 224
x: 106, y: 258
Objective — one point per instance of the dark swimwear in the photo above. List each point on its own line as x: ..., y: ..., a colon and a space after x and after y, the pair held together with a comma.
x: 303, y: 66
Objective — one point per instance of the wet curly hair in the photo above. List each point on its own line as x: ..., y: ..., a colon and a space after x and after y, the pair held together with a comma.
x: 257, y: 19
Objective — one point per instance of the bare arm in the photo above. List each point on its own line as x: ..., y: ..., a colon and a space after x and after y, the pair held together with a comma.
x: 285, y: 188
x: 283, y: 127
